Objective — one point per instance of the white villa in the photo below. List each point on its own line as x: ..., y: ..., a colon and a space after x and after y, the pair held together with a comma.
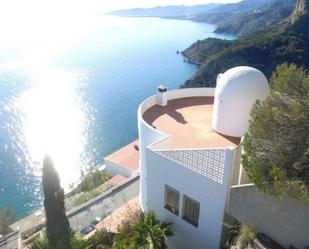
x: 190, y: 150
x: 189, y: 159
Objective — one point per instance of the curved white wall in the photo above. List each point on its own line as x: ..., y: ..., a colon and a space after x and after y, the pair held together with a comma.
x: 148, y: 135
x: 237, y: 90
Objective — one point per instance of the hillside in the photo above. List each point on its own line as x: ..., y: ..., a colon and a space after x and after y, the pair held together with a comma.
x: 286, y: 42
x: 211, y: 13
x: 166, y: 11
x: 242, y: 18
x: 241, y: 6
x: 257, y: 19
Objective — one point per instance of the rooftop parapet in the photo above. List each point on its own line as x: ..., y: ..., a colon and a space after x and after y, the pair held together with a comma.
x: 186, y: 119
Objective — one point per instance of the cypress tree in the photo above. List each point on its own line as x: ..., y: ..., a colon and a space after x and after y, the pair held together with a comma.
x: 57, y: 224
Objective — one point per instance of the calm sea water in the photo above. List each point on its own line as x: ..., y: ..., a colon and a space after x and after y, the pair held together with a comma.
x: 73, y: 92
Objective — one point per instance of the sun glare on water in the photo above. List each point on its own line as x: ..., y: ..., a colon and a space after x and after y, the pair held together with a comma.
x: 52, y: 114
x: 54, y: 122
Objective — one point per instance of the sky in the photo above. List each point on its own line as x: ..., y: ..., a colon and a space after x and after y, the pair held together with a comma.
x: 20, y: 19
x: 120, y: 4
x: 23, y: 8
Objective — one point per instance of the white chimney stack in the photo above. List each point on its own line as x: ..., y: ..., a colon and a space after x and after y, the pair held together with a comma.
x: 162, y: 95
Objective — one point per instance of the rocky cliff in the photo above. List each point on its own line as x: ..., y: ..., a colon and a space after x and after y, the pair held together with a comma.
x: 286, y: 42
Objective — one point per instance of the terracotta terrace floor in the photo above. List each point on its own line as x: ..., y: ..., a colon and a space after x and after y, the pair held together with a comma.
x: 127, y: 157
x: 188, y: 122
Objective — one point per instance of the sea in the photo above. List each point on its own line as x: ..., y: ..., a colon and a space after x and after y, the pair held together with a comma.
x: 72, y: 91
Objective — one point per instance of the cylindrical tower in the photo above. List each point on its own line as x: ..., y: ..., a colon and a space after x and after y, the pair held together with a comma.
x: 237, y: 90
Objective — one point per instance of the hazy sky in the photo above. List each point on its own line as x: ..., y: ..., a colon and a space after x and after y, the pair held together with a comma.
x: 21, y: 7
x: 149, y: 3
x: 23, y: 14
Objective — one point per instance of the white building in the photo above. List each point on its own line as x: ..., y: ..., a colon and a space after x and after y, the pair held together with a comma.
x: 190, y: 149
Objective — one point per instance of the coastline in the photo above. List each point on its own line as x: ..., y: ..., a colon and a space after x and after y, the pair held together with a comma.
x: 114, y: 96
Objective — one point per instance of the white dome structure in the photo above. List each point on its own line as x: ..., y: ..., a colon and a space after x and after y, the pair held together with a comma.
x: 237, y: 90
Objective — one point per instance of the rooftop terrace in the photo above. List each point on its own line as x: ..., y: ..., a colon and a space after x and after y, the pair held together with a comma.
x: 188, y: 122
x: 127, y: 156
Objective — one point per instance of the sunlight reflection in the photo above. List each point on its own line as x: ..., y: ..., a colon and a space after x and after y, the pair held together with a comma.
x: 54, y: 122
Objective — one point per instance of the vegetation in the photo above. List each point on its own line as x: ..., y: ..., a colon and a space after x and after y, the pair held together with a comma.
x: 140, y: 231
x: 91, y: 185
x: 90, y: 181
x: 7, y: 217
x: 286, y: 42
x: 76, y: 242
x: 247, y: 16
x: 85, y: 197
x: 244, y: 17
x: 57, y: 224
x: 239, y: 235
x: 101, y: 239
x: 248, y: 22
x: 41, y: 243
x: 277, y: 146
x: 245, y: 237
x: 198, y: 53
x: 143, y: 231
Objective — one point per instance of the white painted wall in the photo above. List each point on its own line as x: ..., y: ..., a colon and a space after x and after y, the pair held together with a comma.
x: 113, y: 168
x: 210, y: 194
x: 237, y: 90
x: 149, y: 135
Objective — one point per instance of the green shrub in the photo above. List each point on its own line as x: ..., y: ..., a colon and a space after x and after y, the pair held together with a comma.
x: 239, y: 235
x: 85, y: 197
x: 143, y: 231
x: 277, y: 145
x: 101, y: 239
x: 76, y: 242
x: 93, y: 179
x: 41, y: 243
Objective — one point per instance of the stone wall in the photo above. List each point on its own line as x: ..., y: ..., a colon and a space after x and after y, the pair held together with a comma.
x: 286, y: 221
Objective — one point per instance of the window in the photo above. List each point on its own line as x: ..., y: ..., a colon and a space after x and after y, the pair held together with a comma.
x: 191, y: 211
x: 171, y: 200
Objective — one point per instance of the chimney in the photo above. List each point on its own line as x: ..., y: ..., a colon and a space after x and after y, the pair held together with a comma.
x: 162, y: 95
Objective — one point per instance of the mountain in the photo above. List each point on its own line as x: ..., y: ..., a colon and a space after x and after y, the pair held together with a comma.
x: 253, y: 20
x: 166, y: 11
x: 264, y: 50
x: 242, y: 18
x: 239, y: 7
x: 210, y: 13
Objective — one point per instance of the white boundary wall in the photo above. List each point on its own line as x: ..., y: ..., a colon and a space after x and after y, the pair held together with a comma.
x: 113, y: 169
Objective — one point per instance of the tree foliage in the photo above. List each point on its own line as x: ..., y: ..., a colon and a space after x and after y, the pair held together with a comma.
x: 76, y: 242
x: 57, y: 225
x: 286, y: 42
x: 277, y: 145
x: 93, y: 179
x: 138, y: 231
x: 144, y: 231
x: 101, y: 239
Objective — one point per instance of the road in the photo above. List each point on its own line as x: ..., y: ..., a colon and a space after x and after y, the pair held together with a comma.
x: 81, y: 216
x: 104, y: 205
